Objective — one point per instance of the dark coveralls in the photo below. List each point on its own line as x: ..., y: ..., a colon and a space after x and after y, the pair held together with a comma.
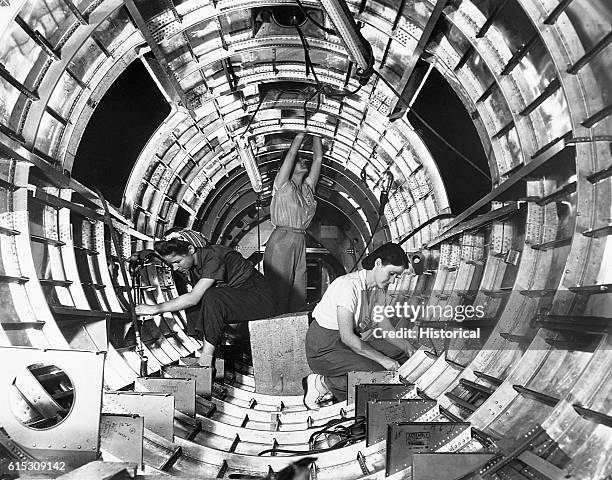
x: 240, y: 294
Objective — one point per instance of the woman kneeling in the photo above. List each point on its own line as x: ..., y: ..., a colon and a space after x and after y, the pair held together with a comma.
x: 334, y: 344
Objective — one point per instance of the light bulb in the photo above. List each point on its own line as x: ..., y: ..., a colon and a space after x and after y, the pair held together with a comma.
x: 249, y: 163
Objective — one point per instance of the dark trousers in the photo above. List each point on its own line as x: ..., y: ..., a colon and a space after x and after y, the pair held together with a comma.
x: 327, y: 355
x: 225, y: 305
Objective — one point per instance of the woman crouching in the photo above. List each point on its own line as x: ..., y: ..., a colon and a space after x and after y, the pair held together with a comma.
x: 224, y: 283
x: 334, y: 345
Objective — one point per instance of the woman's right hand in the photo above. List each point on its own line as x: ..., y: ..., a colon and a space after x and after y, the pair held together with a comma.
x: 142, y: 310
x: 389, y: 363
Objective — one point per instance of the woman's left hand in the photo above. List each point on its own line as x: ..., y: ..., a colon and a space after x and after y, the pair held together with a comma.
x: 409, y: 349
x: 146, y: 309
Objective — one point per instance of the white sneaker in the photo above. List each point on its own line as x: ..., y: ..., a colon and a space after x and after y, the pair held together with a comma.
x: 314, y: 390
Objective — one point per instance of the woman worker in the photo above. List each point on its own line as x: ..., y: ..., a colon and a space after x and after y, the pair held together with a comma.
x: 226, y: 285
x: 291, y: 211
x: 333, y: 343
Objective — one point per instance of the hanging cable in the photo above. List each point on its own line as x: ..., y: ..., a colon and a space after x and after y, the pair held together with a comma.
x: 385, y: 189
x: 414, y: 231
x: 365, y: 249
x: 431, y: 129
x: 307, y: 15
x: 307, y: 60
x: 309, y: 68
x: 257, y: 207
x: 261, y: 100
x: 132, y: 306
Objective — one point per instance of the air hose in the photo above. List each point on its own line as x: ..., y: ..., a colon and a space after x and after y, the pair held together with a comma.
x: 132, y: 306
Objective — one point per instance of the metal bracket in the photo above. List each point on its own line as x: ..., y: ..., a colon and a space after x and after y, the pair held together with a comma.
x: 121, y: 437
x: 433, y: 466
x: 156, y: 408
x: 201, y: 375
x: 358, y: 378
x: 381, y: 391
x: 382, y: 412
x: 74, y: 440
x: 406, y: 439
x: 183, y: 390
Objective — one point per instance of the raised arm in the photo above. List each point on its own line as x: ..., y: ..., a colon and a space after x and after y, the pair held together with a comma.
x: 317, y: 159
x: 284, y: 173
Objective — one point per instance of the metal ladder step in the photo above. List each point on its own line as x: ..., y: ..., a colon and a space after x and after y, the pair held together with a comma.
x: 598, y: 232
x: 461, y: 403
x: 593, y: 416
x: 547, y: 292
x: 12, y: 326
x: 591, y: 289
x: 500, y: 293
x: 54, y: 283
x: 520, y: 339
x: 9, y: 231
x: 538, y: 396
x: 587, y: 325
x: 482, y: 389
x: 560, y: 194
x: 600, y: 175
x: 489, y: 378
x: 12, y: 279
x: 46, y: 240
x: 563, y: 242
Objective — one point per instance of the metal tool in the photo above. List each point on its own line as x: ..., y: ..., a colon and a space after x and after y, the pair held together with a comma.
x: 132, y: 306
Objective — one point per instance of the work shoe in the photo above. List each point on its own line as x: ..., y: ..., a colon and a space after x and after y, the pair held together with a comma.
x: 314, y: 390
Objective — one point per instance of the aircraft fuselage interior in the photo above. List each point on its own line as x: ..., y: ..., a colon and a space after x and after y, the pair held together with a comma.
x: 474, y: 134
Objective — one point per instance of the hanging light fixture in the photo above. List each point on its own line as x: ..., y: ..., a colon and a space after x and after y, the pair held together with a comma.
x: 250, y: 164
x: 358, y: 47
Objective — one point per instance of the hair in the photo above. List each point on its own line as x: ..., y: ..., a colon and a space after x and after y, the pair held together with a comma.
x: 174, y: 246
x: 389, y: 254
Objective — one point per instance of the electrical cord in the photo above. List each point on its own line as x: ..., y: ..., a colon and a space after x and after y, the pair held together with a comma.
x: 307, y: 15
x: 374, y: 230
x: 132, y: 304
x: 340, y: 444
x: 307, y: 60
x: 261, y: 100
x: 351, y: 433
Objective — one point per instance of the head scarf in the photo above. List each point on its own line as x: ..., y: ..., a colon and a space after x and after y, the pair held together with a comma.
x: 190, y: 236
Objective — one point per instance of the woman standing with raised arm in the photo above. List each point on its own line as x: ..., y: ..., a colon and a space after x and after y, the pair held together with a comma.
x: 291, y: 211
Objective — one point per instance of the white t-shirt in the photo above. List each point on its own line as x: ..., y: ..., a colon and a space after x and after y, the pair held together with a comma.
x: 348, y: 291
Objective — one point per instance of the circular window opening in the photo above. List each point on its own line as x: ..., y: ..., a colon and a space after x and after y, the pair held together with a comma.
x: 288, y: 16
x: 41, y: 396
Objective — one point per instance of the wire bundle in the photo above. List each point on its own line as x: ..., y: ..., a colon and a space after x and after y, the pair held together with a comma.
x: 346, y: 435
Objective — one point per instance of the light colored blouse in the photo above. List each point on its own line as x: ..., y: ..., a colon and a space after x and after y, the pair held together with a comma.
x: 351, y: 292
x: 292, y: 207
